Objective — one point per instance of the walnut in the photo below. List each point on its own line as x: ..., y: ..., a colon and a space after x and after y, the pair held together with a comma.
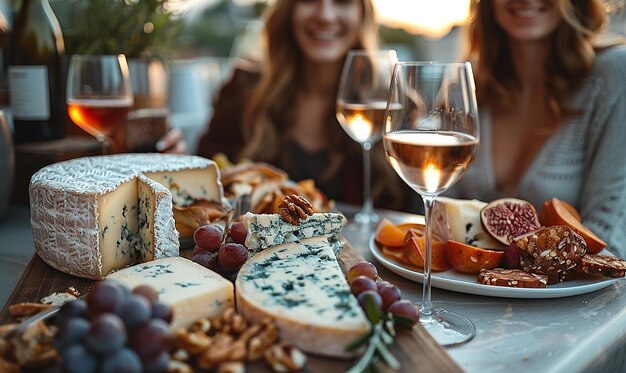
x: 176, y: 366
x: 194, y: 343
x: 27, y: 309
x: 285, y: 358
x: 295, y: 208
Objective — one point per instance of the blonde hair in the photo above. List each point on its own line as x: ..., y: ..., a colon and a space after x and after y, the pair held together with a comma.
x: 570, y: 61
x: 269, y: 111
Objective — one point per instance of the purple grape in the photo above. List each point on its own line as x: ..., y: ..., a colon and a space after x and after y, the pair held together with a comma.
x: 123, y: 361
x: 389, y: 294
x: 158, y: 364
x: 371, y: 302
x: 162, y: 311
x: 148, y: 292
x: 231, y: 256
x: 239, y: 232
x: 209, y: 237
x: 77, y: 359
x: 362, y: 283
x: 106, y: 335
x: 151, y: 339
x: 70, y: 310
x: 206, y: 259
x: 72, y: 332
x: 105, y: 296
x: 135, y: 311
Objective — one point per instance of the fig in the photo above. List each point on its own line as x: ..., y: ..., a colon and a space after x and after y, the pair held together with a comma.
x: 507, y: 218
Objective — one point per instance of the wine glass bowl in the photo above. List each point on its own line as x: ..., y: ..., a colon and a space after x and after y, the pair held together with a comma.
x: 431, y: 136
x: 99, y: 96
x: 361, y: 105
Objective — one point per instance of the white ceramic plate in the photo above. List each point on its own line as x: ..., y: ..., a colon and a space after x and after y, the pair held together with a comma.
x: 466, y: 283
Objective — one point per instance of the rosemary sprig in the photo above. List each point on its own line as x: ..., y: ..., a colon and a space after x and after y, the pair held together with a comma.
x: 381, y: 335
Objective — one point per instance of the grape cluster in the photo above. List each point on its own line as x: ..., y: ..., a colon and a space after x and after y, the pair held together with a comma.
x: 214, y: 253
x: 114, y: 330
x: 383, y: 295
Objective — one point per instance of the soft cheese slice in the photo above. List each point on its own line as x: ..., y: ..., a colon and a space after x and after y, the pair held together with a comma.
x: 157, y: 231
x: 266, y: 230
x: 84, y: 212
x: 193, y: 291
x: 301, y: 286
x: 459, y: 220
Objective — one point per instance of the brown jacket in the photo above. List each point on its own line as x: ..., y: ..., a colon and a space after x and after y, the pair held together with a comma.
x: 225, y: 134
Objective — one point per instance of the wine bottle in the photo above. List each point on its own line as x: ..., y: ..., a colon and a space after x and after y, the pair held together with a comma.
x: 35, y: 83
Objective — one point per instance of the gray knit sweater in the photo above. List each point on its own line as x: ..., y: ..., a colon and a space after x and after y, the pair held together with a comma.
x: 583, y: 163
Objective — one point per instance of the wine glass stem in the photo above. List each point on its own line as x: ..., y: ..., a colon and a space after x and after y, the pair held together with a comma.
x: 368, y: 206
x: 426, y: 311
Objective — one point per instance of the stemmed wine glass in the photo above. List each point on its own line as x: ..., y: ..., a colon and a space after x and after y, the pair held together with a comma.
x: 431, y: 137
x: 99, y: 96
x: 361, y: 103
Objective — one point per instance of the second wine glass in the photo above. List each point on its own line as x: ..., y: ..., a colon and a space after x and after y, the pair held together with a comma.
x: 431, y: 138
x: 361, y: 103
x: 99, y: 97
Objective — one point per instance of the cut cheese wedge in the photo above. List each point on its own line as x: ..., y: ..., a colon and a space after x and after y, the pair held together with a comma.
x: 193, y: 291
x: 267, y: 230
x: 459, y: 220
x: 301, y: 286
x: 86, y: 212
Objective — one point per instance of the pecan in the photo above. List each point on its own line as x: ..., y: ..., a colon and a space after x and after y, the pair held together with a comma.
x: 295, y: 208
x: 285, y: 358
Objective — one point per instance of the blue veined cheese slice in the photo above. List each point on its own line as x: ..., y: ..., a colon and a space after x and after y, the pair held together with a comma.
x: 301, y: 286
x: 193, y: 291
x: 459, y: 220
x: 267, y: 230
x: 158, y: 237
x: 84, y: 212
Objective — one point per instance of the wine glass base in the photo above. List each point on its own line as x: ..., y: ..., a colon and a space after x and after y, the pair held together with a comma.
x: 366, y: 219
x: 449, y: 328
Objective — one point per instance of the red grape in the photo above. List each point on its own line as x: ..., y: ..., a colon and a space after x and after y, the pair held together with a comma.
x: 135, y: 311
x: 362, y: 268
x: 389, y: 294
x: 405, y: 313
x: 151, y: 339
x: 209, y: 237
x: 360, y: 284
x: 231, y: 256
x: 206, y: 259
x: 105, y: 296
x: 239, y: 232
x: 148, y: 292
x: 382, y: 284
x: 370, y: 296
x: 106, y: 335
x: 124, y: 360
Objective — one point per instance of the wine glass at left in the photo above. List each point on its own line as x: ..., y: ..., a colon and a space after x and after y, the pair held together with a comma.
x: 99, y: 97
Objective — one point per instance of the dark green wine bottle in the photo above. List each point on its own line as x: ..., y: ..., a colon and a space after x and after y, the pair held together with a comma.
x: 35, y: 83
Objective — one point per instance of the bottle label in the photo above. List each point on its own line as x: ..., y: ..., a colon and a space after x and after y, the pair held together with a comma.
x: 29, y: 92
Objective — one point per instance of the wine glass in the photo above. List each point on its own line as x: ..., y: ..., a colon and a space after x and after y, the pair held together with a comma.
x: 99, y: 96
x: 361, y: 103
x: 431, y: 137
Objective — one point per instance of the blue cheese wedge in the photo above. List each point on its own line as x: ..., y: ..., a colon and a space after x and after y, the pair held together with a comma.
x: 193, y: 291
x: 85, y: 212
x: 267, y: 230
x: 459, y: 220
x: 301, y: 286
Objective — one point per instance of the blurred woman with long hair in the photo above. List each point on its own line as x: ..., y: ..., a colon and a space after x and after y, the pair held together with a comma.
x: 282, y: 110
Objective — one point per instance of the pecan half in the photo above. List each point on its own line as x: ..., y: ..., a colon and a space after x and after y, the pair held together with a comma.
x: 295, y: 208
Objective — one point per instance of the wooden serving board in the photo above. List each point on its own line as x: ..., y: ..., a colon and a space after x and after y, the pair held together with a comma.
x: 415, y: 349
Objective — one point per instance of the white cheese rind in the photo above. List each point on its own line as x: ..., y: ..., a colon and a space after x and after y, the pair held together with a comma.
x: 77, y: 206
x: 463, y: 221
x: 267, y: 230
x: 301, y: 287
x: 193, y: 291
x: 157, y: 228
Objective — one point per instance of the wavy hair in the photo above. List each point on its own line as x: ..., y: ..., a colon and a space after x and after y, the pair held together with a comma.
x: 574, y: 45
x: 269, y: 112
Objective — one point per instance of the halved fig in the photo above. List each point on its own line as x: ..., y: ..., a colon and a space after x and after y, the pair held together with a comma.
x: 507, y: 218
